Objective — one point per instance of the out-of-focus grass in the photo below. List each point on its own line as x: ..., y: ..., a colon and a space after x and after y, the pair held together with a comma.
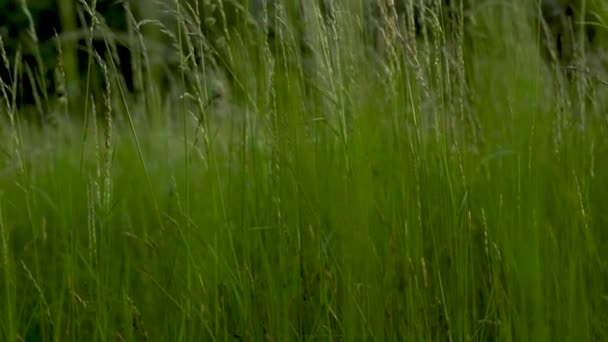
x: 410, y: 196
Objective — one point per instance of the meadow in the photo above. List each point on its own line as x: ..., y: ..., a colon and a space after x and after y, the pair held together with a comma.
x: 444, y: 185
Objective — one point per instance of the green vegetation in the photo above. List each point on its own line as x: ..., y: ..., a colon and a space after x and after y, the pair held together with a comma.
x: 426, y: 190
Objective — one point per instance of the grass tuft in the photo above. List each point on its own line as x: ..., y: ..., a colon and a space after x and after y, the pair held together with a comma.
x: 309, y: 174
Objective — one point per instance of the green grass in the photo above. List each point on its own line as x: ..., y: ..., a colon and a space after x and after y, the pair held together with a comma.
x: 368, y: 198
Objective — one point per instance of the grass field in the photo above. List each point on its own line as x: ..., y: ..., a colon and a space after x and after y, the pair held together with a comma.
x: 450, y: 189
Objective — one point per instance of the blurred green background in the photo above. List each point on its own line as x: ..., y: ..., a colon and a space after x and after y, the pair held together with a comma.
x: 140, y: 37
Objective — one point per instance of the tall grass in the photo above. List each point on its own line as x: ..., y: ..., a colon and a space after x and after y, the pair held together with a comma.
x: 443, y: 185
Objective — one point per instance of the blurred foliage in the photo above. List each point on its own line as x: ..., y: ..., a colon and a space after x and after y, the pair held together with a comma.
x: 33, y: 30
x: 28, y: 27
